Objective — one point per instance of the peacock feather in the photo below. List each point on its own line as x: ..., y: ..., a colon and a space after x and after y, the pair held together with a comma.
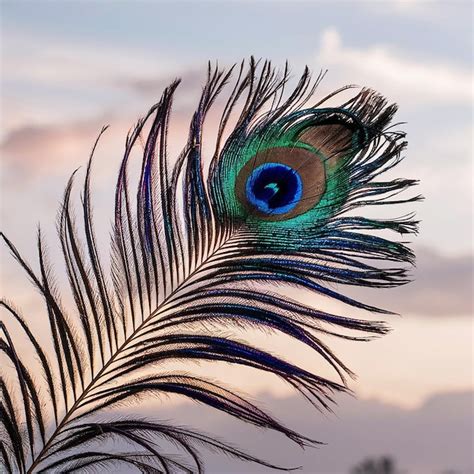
x: 197, y: 255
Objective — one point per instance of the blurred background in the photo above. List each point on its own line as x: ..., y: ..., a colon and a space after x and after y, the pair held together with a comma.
x: 69, y: 67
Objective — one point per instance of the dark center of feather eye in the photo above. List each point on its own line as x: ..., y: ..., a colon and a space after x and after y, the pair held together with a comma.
x: 274, y: 188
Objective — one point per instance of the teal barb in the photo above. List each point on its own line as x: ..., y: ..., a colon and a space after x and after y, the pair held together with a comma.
x: 279, y: 201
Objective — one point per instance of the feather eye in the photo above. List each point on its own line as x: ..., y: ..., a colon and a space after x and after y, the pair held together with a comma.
x: 286, y: 177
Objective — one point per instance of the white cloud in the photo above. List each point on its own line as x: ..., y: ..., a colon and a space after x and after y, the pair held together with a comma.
x: 399, y: 76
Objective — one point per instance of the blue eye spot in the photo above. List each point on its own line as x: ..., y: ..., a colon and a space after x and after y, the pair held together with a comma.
x: 274, y: 188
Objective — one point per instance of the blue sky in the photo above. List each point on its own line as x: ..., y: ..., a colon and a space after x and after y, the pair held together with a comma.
x: 199, y: 30
x: 69, y: 67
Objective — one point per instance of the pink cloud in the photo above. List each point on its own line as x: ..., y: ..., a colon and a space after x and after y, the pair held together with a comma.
x: 51, y: 148
x: 35, y: 150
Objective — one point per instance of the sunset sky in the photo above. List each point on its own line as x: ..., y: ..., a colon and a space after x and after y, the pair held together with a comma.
x: 67, y: 68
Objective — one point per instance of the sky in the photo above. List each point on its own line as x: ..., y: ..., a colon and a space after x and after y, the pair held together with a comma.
x: 67, y: 68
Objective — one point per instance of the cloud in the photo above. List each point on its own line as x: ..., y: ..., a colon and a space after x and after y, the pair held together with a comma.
x: 50, y: 81
x: 432, y: 438
x: 191, y: 82
x: 32, y: 59
x: 30, y: 148
x: 32, y: 141
x: 32, y: 151
x: 442, y: 287
x: 58, y: 148
x: 396, y: 73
